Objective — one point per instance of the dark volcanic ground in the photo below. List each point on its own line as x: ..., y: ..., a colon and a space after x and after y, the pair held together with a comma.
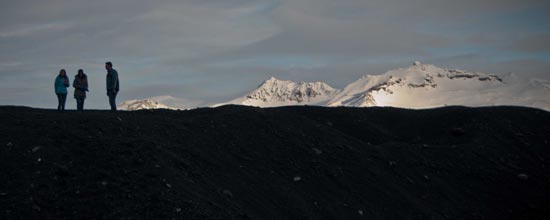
x: 237, y: 162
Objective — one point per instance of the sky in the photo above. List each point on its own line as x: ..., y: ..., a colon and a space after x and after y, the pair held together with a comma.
x: 212, y: 51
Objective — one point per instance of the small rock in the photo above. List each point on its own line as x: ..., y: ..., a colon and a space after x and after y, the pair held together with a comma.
x: 178, y: 209
x: 37, y: 148
x: 39, y: 160
x: 118, y: 118
x: 228, y: 193
x: 9, y: 144
x: 317, y: 151
x: 458, y: 131
x: 417, y: 63
x: 519, y: 134
x: 157, y: 166
x: 392, y: 163
x: 3, y: 194
x: 104, y: 183
x: 168, y: 185
x: 360, y: 212
x: 426, y: 177
x: 523, y: 176
x: 35, y: 207
x: 297, y: 178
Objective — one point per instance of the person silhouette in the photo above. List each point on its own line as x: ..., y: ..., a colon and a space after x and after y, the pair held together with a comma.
x: 80, y: 85
x: 60, y: 85
x: 112, y: 84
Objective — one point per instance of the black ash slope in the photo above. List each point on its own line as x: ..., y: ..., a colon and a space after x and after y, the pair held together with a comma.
x: 237, y: 162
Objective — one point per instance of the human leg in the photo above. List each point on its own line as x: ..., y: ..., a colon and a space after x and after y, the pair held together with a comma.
x: 79, y: 104
x: 112, y: 101
x: 63, y: 100
x: 58, y: 101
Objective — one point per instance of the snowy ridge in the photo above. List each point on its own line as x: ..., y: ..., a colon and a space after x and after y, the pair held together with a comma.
x: 274, y: 92
x: 160, y: 102
x: 133, y: 105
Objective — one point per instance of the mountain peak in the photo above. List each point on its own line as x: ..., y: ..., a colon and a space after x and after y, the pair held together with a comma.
x: 132, y: 105
x: 274, y: 81
x: 276, y: 92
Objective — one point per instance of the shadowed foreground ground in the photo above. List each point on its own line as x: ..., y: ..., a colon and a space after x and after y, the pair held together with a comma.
x: 238, y: 162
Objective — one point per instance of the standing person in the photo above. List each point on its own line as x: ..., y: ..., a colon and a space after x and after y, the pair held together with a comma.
x: 61, y: 84
x: 80, y: 85
x: 112, y: 84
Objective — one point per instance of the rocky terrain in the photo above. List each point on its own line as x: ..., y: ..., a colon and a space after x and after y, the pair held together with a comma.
x: 236, y: 162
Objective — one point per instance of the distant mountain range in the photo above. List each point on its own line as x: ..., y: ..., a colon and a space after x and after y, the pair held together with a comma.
x: 417, y: 86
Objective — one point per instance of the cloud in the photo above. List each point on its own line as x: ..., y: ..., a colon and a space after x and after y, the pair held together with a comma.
x: 25, y: 31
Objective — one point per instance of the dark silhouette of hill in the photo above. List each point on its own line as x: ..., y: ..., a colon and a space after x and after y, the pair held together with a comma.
x: 236, y: 162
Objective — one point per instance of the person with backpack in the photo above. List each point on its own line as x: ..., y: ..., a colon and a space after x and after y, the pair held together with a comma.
x: 80, y: 85
x: 112, y: 84
x: 60, y: 85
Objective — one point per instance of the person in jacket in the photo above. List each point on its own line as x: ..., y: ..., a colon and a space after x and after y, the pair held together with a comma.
x: 112, y: 84
x: 61, y: 84
x: 80, y: 85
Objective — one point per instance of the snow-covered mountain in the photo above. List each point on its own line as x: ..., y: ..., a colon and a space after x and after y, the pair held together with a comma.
x: 417, y: 86
x: 159, y: 102
x: 275, y: 92
x: 427, y: 86
x: 132, y: 105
